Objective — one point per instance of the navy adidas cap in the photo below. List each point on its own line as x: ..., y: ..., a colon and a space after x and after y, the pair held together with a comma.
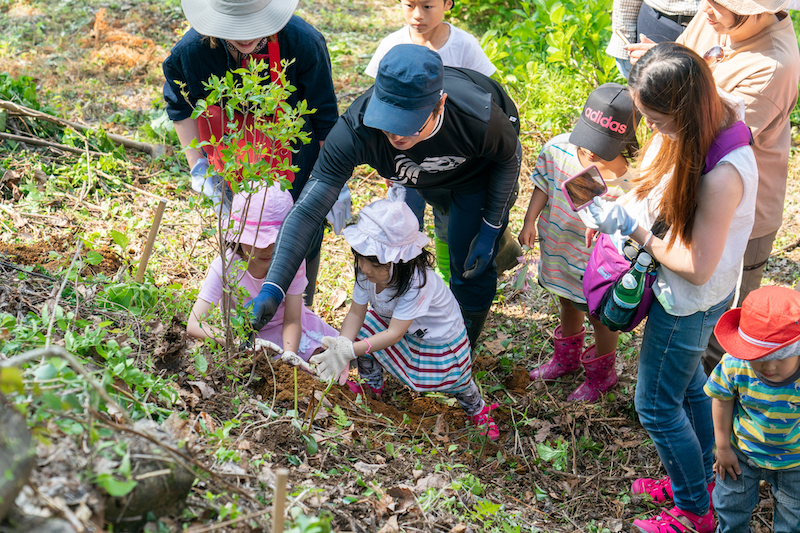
x: 409, y: 84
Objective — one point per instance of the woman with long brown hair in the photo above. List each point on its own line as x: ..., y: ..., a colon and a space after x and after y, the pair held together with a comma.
x: 709, y: 214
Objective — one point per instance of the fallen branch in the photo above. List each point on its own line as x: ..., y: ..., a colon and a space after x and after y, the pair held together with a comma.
x: 41, y: 142
x: 154, y: 150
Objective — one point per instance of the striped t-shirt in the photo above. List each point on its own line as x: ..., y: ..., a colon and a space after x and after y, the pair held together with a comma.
x: 766, y: 418
x: 560, y: 231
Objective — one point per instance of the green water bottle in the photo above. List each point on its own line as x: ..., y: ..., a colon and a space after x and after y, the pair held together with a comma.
x: 620, y: 310
x: 628, y: 293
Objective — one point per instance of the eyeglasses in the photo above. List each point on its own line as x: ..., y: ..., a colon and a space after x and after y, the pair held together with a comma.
x: 423, y: 127
x: 714, y: 55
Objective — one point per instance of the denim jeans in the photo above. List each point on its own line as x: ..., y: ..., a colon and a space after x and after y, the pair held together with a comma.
x: 671, y: 403
x: 417, y: 204
x: 735, y: 500
x: 466, y: 216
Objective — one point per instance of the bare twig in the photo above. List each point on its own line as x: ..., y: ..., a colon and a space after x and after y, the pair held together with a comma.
x: 61, y: 290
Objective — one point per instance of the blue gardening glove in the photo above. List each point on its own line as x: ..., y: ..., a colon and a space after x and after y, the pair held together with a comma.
x: 481, y: 250
x: 210, y: 184
x: 264, y: 305
x: 608, y: 217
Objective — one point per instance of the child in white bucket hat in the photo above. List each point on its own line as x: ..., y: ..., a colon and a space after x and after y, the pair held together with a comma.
x: 255, y: 221
x: 403, y: 318
x: 755, y: 393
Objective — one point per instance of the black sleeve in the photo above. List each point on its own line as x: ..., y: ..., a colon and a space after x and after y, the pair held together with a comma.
x: 338, y: 158
x: 315, y: 84
x: 505, y: 151
x: 177, y: 106
x: 298, y: 230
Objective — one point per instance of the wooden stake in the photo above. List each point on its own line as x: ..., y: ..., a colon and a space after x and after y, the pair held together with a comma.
x: 279, y: 503
x: 151, y: 238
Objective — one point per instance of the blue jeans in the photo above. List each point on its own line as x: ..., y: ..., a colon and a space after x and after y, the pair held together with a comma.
x: 466, y: 216
x: 735, y: 500
x: 671, y: 403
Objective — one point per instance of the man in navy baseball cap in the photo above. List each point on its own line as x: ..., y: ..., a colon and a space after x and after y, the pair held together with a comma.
x: 409, y: 84
x: 450, y: 133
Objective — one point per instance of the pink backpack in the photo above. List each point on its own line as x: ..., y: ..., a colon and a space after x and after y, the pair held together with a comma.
x: 606, y: 265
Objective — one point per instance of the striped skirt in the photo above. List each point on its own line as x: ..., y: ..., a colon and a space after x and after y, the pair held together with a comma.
x: 423, y: 366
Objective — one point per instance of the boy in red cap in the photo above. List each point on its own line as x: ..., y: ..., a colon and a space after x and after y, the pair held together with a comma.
x: 755, y: 393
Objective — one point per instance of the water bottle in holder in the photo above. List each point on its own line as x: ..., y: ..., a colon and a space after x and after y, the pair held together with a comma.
x: 620, y: 309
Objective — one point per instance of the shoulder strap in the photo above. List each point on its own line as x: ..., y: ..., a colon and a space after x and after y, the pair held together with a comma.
x: 499, y: 95
x: 727, y: 140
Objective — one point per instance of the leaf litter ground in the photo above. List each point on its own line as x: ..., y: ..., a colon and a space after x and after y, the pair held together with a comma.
x: 390, y: 465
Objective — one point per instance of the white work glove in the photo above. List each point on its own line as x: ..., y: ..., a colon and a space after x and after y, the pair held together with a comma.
x: 340, y: 214
x: 210, y: 184
x: 332, y: 362
x: 608, y: 217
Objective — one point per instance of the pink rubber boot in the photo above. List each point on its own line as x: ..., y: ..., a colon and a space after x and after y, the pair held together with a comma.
x: 600, y: 375
x: 566, y: 356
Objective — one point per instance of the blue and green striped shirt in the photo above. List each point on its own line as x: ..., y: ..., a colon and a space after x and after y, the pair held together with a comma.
x: 766, y: 417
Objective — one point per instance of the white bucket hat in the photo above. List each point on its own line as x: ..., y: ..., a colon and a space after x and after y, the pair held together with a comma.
x: 238, y: 20
x: 256, y: 218
x: 753, y: 7
x: 387, y: 230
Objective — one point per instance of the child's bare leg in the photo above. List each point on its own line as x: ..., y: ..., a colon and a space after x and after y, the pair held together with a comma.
x: 605, y: 340
x: 571, y: 318
x: 471, y: 400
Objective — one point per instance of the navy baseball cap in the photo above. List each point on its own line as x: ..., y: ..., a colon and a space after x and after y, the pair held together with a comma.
x: 409, y: 84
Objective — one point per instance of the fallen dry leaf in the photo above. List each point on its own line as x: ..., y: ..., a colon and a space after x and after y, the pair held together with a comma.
x: 205, y: 391
x: 432, y: 481
x: 391, y: 526
x: 495, y: 346
x: 338, y: 298
x: 366, y: 468
x: 404, y: 499
x: 440, y: 429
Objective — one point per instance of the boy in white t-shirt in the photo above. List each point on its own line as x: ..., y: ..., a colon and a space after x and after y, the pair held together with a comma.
x: 425, y: 27
x: 457, y: 48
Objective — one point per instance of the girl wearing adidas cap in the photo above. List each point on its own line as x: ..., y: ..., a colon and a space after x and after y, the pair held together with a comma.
x: 605, y: 136
x: 255, y: 221
x: 403, y: 318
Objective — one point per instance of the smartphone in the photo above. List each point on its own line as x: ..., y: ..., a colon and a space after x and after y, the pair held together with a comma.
x: 622, y: 36
x: 583, y: 187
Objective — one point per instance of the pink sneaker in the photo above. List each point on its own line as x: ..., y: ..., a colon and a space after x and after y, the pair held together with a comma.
x: 661, y: 489
x: 357, y: 388
x: 658, y: 489
x: 667, y: 522
x: 485, y: 419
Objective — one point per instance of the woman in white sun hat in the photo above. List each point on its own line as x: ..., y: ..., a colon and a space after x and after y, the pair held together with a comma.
x: 403, y: 318
x: 255, y: 221
x: 751, y: 47
x: 226, y: 35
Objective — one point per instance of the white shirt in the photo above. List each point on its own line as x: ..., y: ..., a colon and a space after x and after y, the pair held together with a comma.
x: 432, y: 308
x: 461, y: 50
x: 678, y: 296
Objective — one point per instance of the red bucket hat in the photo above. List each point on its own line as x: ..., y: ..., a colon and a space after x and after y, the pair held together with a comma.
x: 766, y: 327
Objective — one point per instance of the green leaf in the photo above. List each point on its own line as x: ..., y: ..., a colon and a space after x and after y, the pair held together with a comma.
x: 120, y: 238
x: 311, y: 445
x: 200, y: 363
x: 11, y: 380
x: 94, y: 258
x: 115, y: 488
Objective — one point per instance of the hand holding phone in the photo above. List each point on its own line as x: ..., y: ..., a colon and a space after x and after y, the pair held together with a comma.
x: 622, y: 36
x: 583, y: 187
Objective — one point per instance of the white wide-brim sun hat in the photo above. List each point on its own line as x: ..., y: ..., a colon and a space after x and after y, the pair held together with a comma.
x: 387, y: 230
x: 753, y: 7
x: 238, y: 20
